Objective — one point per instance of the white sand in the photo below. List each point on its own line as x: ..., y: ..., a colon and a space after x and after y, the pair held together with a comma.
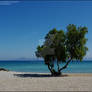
x: 72, y: 82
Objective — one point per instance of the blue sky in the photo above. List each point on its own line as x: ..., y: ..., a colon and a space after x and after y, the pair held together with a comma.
x: 23, y: 24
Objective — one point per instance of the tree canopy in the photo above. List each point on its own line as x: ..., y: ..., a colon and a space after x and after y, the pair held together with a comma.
x: 63, y: 46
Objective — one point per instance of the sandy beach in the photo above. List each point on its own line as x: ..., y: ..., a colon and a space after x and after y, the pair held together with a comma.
x: 16, y: 81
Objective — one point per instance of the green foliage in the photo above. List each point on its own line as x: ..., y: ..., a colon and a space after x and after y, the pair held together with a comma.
x: 76, y: 41
x: 63, y: 47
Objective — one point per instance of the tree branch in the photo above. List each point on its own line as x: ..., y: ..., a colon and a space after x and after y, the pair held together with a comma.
x: 65, y: 65
x: 58, y: 65
x: 50, y: 68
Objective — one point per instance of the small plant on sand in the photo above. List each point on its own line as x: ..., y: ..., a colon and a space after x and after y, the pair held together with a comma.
x: 63, y: 46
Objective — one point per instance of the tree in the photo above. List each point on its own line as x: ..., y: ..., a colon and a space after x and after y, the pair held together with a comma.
x: 60, y: 46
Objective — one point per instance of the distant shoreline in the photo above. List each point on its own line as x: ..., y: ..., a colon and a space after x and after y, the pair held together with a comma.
x: 34, y: 60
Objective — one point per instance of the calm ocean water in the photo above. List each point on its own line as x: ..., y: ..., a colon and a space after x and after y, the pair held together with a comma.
x: 39, y: 66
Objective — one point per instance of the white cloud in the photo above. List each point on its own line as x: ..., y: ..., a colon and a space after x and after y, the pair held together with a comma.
x: 8, y: 2
x: 88, y: 55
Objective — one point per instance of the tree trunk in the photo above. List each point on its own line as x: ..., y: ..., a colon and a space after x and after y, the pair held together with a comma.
x: 59, y: 72
x: 53, y: 72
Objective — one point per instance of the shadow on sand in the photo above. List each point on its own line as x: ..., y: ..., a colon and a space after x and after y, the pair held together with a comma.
x: 37, y: 75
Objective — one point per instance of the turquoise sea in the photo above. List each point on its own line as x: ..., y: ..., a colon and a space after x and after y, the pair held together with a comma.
x: 39, y: 66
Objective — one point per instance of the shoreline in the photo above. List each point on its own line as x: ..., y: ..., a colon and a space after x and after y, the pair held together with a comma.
x: 50, y: 73
x: 38, y: 73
